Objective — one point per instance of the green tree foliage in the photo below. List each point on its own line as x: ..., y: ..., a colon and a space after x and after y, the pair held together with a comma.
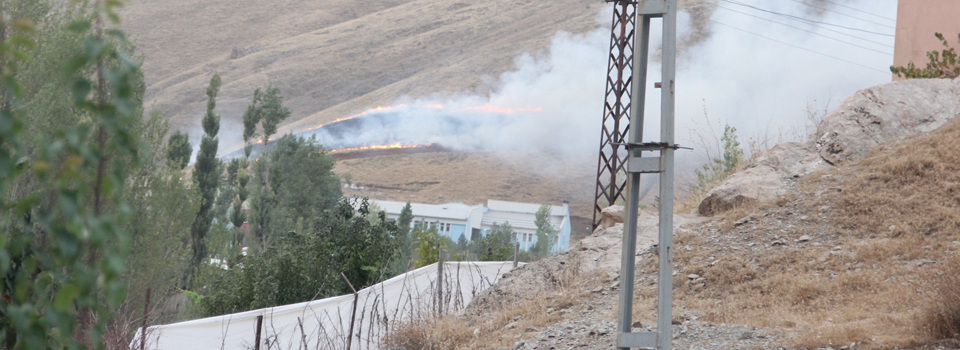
x: 306, y: 264
x: 272, y: 112
x: 942, y: 64
x: 428, y: 242
x: 405, y: 240
x: 498, y: 244
x: 64, y: 246
x: 265, y: 109
x: 546, y: 233
x: 294, y: 182
x: 162, y: 207
x: 179, y: 150
x: 206, y: 175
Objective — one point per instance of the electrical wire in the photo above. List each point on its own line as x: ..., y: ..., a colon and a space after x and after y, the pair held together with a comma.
x: 804, y: 19
x: 798, y: 47
x: 810, y: 31
x: 861, y: 11
x: 827, y: 29
x: 843, y: 14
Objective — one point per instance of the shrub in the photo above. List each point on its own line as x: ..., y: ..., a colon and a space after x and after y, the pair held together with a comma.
x: 943, y: 64
x: 940, y: 320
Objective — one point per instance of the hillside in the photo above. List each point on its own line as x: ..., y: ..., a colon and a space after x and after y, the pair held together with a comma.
x: 334, y: 58
x: 858, y: 254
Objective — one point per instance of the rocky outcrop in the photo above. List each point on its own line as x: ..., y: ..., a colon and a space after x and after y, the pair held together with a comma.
x: 610, y: 216
x: 885, y: 114
x: 882, y: 114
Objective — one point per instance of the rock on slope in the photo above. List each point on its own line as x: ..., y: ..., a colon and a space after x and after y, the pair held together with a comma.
x: 878, y: 115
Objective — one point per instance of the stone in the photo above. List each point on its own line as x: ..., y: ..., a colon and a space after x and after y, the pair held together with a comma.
x: 693, y: 276
x: 892, y: 228
x: 885, y: 114
x: 743, y: 221
x: 511, y: 325
x: 763, y: 179
x: 519, y: 345
x: 531, y: 329
x: 610, y: 216
x: 746, y: 335
x: 804, y: 238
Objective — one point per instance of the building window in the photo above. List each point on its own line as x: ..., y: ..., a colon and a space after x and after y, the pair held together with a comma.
x: 448, y: 227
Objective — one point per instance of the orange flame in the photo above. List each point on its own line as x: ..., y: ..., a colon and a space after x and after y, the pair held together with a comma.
x: 391, y: 146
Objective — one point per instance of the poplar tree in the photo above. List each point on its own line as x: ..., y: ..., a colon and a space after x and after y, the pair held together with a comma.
x: 206, y: 175
x: 179, y: 150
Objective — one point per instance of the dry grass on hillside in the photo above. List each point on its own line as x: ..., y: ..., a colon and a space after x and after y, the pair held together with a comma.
x: 876, y: 272
x: 475, y: 177
x: 500, y: 329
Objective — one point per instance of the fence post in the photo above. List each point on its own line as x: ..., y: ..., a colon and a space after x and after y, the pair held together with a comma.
x: 516, y: 254
x: 353, y: 314
x: 143, y: 329
x: 440, y: 282
x: 256, y: 344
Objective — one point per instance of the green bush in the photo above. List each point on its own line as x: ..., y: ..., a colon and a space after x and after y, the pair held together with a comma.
x: 942, y: 65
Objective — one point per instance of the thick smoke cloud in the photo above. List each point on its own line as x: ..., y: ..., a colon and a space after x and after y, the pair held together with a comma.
x: 763, y: 86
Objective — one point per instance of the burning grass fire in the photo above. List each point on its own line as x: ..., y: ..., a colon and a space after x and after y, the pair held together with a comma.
x: 404, y: 127
x: 375, y: 147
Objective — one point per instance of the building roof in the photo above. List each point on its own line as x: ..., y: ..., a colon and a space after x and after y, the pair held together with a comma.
x: 525, y: 208
x: 452, y: 210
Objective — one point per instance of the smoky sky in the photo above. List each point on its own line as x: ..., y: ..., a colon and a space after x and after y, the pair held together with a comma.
x: 759, y: 72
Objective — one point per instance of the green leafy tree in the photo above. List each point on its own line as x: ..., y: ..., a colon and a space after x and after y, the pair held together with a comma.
x: 266, y: 109
x: 272, y: 112
x: 251, y: 117
x: 162, y: 208
x: 63, y: 245
x: 179, y: 150
x: 306, y: 264
x: 206, y: 175
x: 403, y: 235
x: 942, y: 64
x: 498, y: 244
x: 428, y: 242
x: 546, y: 233
x: 294, y: 182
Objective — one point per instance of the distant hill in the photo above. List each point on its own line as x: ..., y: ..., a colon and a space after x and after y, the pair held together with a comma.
x: 333, y: 57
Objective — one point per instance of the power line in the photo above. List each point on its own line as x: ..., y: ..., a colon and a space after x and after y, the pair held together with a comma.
x: 798, y: 47
x: 861, y: 11
x: 829, y: 30
x: 809, y: 31
x: 843, y: 14
x: 804, y: 19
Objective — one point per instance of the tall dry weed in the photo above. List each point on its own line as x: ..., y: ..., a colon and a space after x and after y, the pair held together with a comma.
x: 428, y: 333
x: 940, y: 319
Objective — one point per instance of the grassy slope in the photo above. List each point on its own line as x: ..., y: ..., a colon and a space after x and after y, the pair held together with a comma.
x: 883, y: 232
x: 335, y: 58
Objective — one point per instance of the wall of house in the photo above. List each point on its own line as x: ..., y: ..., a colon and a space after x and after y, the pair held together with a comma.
x: 917, y: 21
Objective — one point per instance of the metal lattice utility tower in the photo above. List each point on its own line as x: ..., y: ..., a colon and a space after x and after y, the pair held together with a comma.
x: 616, y: 108
x: 634, y: 157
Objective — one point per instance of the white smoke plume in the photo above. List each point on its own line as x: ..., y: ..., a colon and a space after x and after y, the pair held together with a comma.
x: 750, y: 73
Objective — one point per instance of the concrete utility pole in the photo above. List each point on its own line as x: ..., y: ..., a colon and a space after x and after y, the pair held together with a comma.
x: 662, y: 165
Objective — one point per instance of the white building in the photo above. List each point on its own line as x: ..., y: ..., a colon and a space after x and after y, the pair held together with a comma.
x: 456, y: 219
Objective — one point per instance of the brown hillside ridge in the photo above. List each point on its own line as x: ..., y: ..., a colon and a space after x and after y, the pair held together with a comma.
x: 864, y: 255
x: 335, y: 58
